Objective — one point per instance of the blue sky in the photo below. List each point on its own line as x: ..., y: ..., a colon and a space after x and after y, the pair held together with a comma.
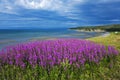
x: 58, y: 13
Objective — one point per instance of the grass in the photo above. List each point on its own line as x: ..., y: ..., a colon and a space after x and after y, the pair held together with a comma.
x: 107, y: 69
x: 114, y: 40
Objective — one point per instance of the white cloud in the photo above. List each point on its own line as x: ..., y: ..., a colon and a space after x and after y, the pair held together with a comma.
x: 47, y: 4
x: 109, y: 0
x: 29, y: 4
x: 30, y: 18
x: 115, y: 20
x: 65, y: 8
x: 7, y: 7
x: 105, y: 1
x: 62, y: 7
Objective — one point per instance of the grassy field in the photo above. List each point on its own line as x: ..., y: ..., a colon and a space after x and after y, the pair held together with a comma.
x: 114, y: 40
x: 107, y: 69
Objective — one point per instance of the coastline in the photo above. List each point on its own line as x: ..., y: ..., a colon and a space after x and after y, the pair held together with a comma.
x: 6, y: 43
x: 89, y: 30
x: 105, y: 34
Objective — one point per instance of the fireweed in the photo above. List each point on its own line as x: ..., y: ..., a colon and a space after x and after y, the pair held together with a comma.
x: 52, y: 53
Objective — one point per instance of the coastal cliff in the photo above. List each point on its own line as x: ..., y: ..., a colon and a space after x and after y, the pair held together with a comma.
x: 105, y: 28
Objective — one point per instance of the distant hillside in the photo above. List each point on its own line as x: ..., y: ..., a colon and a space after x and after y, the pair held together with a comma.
x: 109, y: 28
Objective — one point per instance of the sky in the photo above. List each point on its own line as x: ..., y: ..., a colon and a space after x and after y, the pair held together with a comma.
x: 58, y: 13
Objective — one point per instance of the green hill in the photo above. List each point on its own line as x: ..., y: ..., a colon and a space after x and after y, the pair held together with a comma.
x: 109, y: 28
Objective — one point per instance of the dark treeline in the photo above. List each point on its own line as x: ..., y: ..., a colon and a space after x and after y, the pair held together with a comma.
x: 109, y: 28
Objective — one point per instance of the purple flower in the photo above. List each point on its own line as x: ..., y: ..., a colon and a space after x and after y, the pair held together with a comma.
x: 54, y: 52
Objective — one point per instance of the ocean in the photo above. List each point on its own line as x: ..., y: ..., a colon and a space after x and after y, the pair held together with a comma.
x: 14, y: 36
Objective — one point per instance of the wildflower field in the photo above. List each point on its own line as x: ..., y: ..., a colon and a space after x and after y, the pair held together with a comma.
x: 63, y: 59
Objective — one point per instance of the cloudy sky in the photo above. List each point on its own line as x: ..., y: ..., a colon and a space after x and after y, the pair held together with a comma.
x: 58, y: 13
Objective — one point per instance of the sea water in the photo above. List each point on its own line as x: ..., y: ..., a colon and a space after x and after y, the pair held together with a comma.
x: 14, y: 36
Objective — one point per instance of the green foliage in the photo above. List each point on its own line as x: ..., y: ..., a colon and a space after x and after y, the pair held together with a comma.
x: 109, y: 28
x: 91, y: 71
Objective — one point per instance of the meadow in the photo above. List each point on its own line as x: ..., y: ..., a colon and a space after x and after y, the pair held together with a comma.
x: 64, y: 59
